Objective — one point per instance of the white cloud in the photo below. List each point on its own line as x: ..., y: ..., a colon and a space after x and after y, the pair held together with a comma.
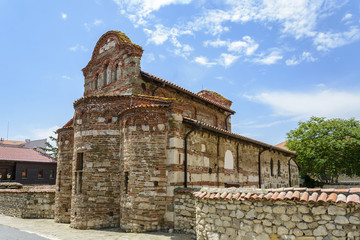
x: 204, y: 61
x: 159, y: 36
x: 325, y: 103
x: 139, y: 11
x: 41, y: 133
x: 78, y: 47
x: 326, y: 41
x: 347, y: 17
x: 65, y: 77
x: 305, y: 56
x: 63, y: 16
x: 149, y: 57
x: 96, y: 23
x: 272, y: 58
x: 216, y: 43
x: 227, y: 59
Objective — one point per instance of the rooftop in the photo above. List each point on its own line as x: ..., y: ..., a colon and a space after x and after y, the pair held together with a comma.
x: 21, y: 154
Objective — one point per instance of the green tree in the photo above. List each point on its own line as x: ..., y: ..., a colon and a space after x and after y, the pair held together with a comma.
x: 327, y: 148
x: 51, y: 150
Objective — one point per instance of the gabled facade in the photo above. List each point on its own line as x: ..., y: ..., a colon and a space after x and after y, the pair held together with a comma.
x: 135, y: 137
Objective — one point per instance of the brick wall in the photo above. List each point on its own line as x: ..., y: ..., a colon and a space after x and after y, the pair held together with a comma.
x: 64, y: 175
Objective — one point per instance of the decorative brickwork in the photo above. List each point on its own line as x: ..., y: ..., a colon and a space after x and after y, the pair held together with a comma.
x: 134, y: 137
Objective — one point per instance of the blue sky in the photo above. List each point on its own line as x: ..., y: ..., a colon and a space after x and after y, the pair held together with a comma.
x: 279, y: 61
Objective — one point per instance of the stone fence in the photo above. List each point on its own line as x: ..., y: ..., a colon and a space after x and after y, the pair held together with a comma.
x: 184, y: 209
x: 28, y: 202
x: 293, y: 213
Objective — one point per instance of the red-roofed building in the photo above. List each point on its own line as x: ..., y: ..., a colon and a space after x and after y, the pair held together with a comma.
x: 26, y: 166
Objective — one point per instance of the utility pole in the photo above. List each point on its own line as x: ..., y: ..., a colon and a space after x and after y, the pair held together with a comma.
x: 7, y: 133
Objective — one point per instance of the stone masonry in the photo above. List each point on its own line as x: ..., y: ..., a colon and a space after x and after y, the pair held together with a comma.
x: 135, y: 137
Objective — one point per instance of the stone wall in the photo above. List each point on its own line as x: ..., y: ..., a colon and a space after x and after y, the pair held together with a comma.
x: 184, y: 210
x: 29, y: 202
x: 265, y: 219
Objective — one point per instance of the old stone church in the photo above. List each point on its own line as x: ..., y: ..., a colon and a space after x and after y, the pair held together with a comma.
x: 135, y: 137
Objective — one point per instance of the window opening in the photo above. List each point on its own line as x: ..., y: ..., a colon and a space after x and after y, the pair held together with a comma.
x: 52, y: 174
x: 24, y: 173
x: 271, y: 167
x: 279, y: 172
x: 126, y: 182
x: 79, y: 172
x: 41, y: 173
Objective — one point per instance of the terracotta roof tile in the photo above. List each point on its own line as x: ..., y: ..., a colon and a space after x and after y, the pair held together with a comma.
x: 322, y: 197
x: 313, y: 197
x: 281, y: 196
x: 289, y: 195
x: 300, y: 189
x: 332, y: 197
x: 341, y: 198
x: 268, y: 196
x: 341, y: 190
x: 275, y: 195
x: 296, y: 195
x: 229, y: 196
x: 353, y: 198
x: 354, y: 190
x: 212, y: 195
x: 328, y: 190
x: 304, y: 196
x: 217, y: 196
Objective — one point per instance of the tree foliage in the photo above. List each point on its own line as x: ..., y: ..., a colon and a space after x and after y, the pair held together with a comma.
x: 51, y: 150
x: 327, y: 148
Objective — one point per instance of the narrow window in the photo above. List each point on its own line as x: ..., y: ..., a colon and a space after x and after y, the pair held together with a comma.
x: 41, y: 173
x: 96, y: 82
x: 79, y: 172
x: 271, y: 167
x: 79, y: 161
x: 279, y: 172
x: 24, y: 173
x: 52, y: 174
x: 116, y: 72
x: 126, y: 182
x: 106, y: 75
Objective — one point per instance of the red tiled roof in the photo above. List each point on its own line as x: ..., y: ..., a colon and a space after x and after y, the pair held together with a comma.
x: 173, y: 85
x: 347, y: 196
x: 23, y: 155
x: 223, y: 131
x: 283, y: 146
x: 11, y: 142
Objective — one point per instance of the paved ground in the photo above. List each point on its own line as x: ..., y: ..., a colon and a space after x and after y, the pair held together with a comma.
x: 47, y: 228
x: 9, y: 233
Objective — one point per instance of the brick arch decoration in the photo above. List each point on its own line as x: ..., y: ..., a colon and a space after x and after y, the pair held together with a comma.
x: 121, y: 42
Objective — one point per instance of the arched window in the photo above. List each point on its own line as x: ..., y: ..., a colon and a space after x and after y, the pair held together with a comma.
x: 96, y: 82
x: 116, y: 72
x: 106, y: 75
x: 229, y: 160
x: 271, y: 167
x: 279, y: 168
